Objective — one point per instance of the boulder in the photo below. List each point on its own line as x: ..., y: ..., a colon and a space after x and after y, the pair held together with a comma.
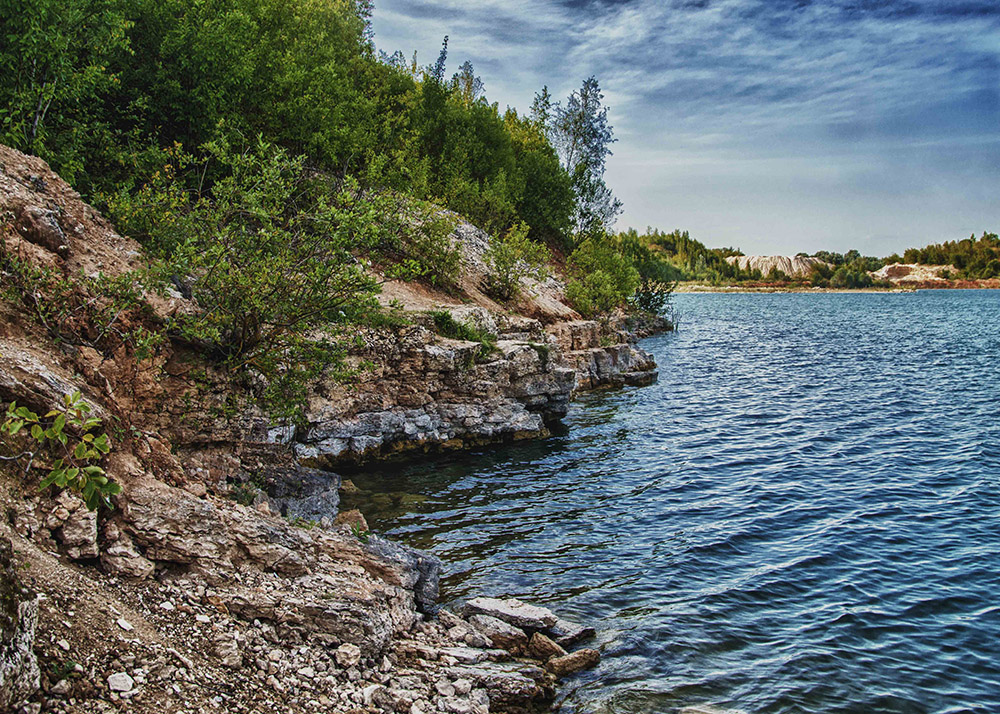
x: 541, y: 647
x: 567, y: 634
x: 511, y: 611
x: 501, y: 634
x: 574, y: 662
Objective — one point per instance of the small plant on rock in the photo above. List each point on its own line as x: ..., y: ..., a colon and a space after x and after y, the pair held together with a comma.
x: 511, y: 258
x: 70, y: 435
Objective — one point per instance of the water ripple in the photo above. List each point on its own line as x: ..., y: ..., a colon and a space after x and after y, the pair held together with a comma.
x: 803, y: 515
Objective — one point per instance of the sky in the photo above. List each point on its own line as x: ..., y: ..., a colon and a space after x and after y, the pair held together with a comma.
x: 776, y: 126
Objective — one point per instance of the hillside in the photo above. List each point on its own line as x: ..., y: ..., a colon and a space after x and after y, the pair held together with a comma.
x: 223, y: 565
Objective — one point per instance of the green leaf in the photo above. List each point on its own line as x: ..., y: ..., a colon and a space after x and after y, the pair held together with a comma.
x: 101, y: 444
x: 16, y: 427
x: 113, y: 489
x: 72, y: 474
x: 37, y: 433
x: 53, y: 476
x: 25, y: 413
x: 59, y: 424
x: 80, y: 451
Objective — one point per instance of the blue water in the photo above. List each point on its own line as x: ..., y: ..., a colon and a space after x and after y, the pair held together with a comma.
x: 803, y: 515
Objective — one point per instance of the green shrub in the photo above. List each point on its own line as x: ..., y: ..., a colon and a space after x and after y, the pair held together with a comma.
x: 274, y: 256
x: 67, y: 435
x: 512, y: 258
x: 417, y: 239
x: 604, y: 278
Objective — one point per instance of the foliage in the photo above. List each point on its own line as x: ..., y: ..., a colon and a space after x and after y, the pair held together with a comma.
x: 68, y: 433
x: 98, y: 87
x: 56, y: 64
x: 270, y: 253
x: 974, y: 258
x: 582, y: 134
x: 603, y: 277
x: 510, y: 259
x: 657, y: 276
x: 689, y: 258
x: 416, y: 236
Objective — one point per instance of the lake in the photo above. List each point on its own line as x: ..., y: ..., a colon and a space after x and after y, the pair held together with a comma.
x: 802, y: 515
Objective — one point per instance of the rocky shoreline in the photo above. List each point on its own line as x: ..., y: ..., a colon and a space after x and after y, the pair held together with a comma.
x: 225, y: 578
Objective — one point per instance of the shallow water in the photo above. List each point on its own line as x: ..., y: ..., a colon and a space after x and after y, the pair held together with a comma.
x: 803, y: 515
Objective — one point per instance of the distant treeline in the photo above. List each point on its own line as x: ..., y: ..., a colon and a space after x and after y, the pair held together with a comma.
x: 974, y: 258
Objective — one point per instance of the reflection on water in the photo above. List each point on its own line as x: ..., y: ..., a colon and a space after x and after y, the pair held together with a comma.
x: 803, y: 515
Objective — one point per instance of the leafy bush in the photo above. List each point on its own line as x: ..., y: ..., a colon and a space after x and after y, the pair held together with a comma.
x: 416, y: 237
x: 274, y: 256
x: 68, y: 434
x: 604, y: 278
x: 512, y: 258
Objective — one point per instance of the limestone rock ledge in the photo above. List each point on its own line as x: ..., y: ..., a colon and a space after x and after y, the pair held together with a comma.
x: 433, y: 394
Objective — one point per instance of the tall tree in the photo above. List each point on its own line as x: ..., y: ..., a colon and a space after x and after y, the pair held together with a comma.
x: 466, y: 84
x: 437, y: 71
x: 582, y: 134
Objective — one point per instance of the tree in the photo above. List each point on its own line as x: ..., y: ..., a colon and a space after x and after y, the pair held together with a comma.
x: 582, y: 134
x: 466, y: 84
x: 437, y: 71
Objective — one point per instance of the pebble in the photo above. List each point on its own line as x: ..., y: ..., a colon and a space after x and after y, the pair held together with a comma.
x: 125, y: 624
x: 63, y: 645
x: 120, y: 682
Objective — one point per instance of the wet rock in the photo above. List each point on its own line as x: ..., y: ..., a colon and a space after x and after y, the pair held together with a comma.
x: 574, y: 662
x: 511, y: 611
x: 19, y: 675
x: 501, y: 634
x: 542, y: 648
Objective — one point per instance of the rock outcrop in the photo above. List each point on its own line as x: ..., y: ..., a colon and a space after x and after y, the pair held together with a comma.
x: 912, y: 273
x: 792, y: 266
x: 222, y: 577
x: 18, y: 618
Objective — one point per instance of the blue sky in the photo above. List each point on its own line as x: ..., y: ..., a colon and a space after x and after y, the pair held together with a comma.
x: 772, y: 125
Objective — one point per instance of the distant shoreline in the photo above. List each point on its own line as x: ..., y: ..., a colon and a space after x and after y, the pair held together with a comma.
x: 695, y: 287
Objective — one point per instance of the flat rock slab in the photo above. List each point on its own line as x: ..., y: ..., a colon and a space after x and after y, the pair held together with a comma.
x: 465, y: 655
x: 511, y: 611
